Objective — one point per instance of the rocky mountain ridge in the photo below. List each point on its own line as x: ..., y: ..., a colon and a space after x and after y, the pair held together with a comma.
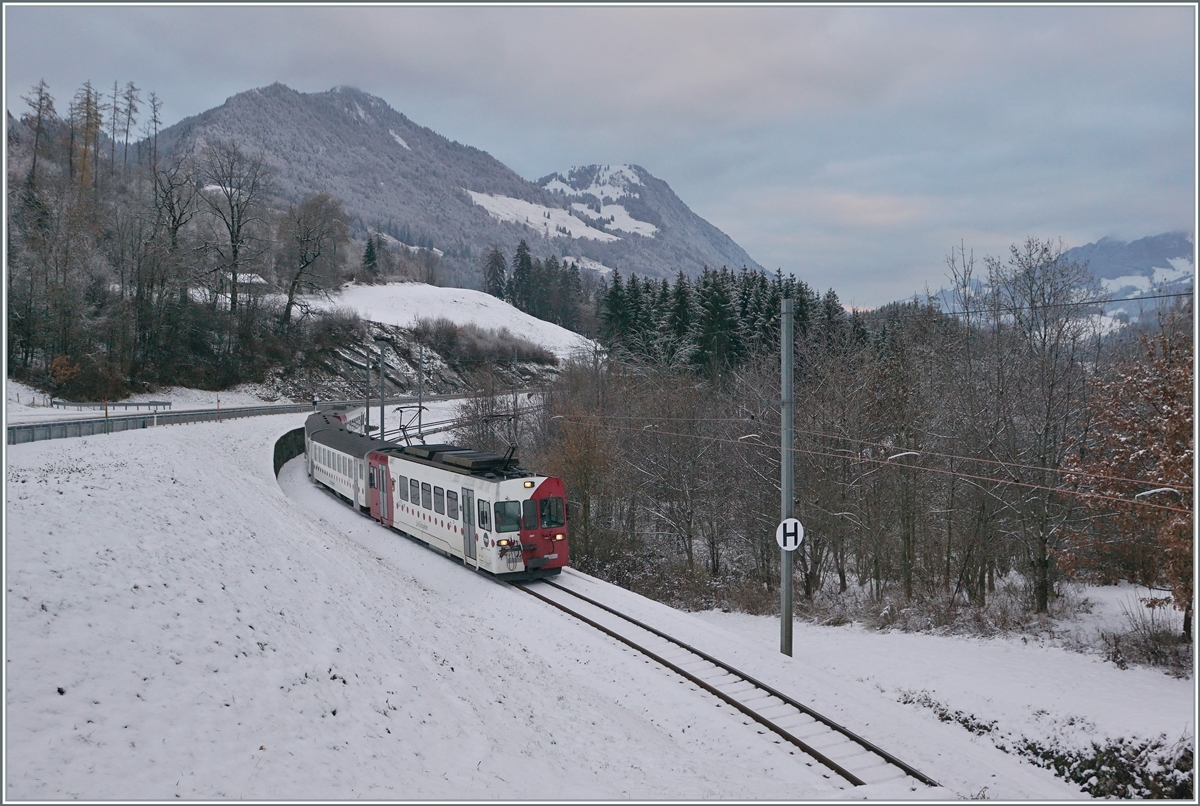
x: 394, y: 175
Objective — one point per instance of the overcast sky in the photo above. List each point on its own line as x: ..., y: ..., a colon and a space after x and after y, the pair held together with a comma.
x: 853, y: 146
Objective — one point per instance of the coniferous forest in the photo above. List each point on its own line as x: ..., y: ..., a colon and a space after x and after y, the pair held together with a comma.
x: 952, y: 469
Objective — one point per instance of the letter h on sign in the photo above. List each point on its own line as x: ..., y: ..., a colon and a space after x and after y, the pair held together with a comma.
x: 789, y: 534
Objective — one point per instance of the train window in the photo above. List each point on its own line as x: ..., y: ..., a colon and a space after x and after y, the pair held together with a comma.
x: 426, y: 496
x: 439, y: 500
x: 451, y: 505
x: 372, y: 478
x: 414, y: 491
x: 485, y: 514
x: 530, y: 506
x: 552, y: 513
x: 403, y: 488
x: 508, y: 516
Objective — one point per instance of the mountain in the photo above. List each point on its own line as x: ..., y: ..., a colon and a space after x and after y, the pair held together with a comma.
x: 411, y: 182
x: 1129, y: 271
x: 1110, y: 259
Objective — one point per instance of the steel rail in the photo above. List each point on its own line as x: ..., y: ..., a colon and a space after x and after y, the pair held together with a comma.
x: 815, y: 754
x: 920, y: 776
x: 804, y: 709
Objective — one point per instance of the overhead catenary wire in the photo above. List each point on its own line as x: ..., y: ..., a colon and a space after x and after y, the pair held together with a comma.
x: 943, y: 471
x: 936, y: 454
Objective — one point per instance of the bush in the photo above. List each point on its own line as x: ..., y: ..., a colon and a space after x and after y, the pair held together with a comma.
x: 469, y: 346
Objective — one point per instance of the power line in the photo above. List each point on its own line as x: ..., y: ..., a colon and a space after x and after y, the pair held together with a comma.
x: 1080, y: 303
x: 1000, y: 462
x: 959, y: 474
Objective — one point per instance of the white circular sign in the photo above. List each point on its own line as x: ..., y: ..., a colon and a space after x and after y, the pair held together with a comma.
x: 789, y: 534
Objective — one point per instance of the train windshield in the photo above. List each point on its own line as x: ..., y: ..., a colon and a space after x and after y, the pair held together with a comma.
x: 552, y: 513
x: 508, y: 516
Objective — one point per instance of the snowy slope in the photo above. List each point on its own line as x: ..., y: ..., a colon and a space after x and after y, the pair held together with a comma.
x: 218, y: 634
x: 547, y: 221
x: 24, y: 404
x: 403, y: 303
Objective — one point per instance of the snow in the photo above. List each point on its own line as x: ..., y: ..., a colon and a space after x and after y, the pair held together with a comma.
x: 1136, y: 281
x: 610, y: 183
x: 588, y: 263
x: 622, y: 220
x: 398, y: 244
x: 398, y: 139
x: 1180, y: 269
x: 401, y: 304
x: 24, y: 404
x: 541, y: 218
x: 1030, y: 689
x: 215, y: 633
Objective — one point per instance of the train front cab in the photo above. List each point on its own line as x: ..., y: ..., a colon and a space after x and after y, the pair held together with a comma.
x: 543, y: 534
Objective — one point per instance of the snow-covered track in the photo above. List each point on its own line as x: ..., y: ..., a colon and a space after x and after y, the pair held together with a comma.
x: 848, y: 755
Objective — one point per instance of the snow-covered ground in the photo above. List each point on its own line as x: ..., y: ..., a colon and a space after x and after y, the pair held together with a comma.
x: 1028, y: 689
x: 24, y: 404
x: 401, y: 304
x: 546, y: 220
x: 621, y: 219
x: 180, y: 623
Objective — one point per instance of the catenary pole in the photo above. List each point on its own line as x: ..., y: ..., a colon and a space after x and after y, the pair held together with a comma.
x: 786, y: 469
x: 367, y: 404
x: 381, y: 366
x: 420, y: 389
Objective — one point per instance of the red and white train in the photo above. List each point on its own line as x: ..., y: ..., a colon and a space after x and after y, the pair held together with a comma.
x: 478, y: 507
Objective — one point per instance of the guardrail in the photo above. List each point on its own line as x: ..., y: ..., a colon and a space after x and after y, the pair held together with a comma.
x: 20, y: 433
x: 149, y: 404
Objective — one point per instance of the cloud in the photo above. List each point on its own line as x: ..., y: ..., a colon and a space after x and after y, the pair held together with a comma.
x: 806, y: 133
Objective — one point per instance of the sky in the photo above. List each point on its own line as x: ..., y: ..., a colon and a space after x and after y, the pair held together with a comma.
x: 854, y: 146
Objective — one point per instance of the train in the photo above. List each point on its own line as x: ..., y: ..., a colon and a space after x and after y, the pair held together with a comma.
x: 474, y: 506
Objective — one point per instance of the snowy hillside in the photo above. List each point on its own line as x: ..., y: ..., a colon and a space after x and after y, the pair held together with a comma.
x: 550, y: 222
x: 181, y: 624
x: 402, y: 304
x: 394, y: 175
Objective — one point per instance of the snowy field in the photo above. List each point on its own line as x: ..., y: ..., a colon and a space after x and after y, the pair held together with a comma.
x: 24, y: 404
x: 401, y: 304
x: 179, y: 623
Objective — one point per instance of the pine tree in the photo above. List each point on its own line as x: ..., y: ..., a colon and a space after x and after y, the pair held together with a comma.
x: 494, y: 274
x: 717, y: 344
x: 613, y: 313
x: 682, y: 316
x: 521, y: 280
x: 370, y: 260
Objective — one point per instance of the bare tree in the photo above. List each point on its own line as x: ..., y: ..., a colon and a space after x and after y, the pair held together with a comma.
x: 237, y: 185
x: 310, y: 235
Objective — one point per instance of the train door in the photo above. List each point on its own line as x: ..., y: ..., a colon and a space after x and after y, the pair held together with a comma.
x: 468, y: 512
x: 377, y: 487
x: 386, y: 496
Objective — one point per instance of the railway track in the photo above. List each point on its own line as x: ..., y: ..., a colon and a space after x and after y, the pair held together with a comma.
x: 843, y: 753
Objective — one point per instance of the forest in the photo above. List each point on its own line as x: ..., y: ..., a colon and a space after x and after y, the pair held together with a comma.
x: 941, y: 459
x: 129, y: 268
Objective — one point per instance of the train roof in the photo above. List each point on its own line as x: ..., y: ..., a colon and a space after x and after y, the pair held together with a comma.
x: 326, y: 429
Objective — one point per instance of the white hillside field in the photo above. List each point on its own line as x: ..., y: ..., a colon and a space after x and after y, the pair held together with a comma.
x: 181, y: 623
x: 401, y: 304
x: 612, y: 182
x: 545, y: 220
x: 621, y: 219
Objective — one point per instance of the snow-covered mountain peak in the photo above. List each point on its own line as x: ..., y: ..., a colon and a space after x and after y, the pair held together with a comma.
x: 604, y: 182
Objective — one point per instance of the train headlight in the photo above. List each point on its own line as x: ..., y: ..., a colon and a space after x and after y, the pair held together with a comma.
x: 559, y: 536
x: 528, y: 484
x: 501, y: 542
